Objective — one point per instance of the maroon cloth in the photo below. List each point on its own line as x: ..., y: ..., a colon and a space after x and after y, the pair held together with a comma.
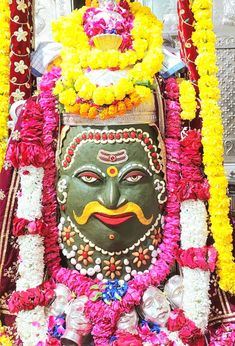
x: 188, y: 51
x: 9, y: 184
x: 20, y: 88
x: 20, y: 50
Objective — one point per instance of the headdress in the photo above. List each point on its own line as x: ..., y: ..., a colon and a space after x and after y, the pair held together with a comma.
x: 115, y: 55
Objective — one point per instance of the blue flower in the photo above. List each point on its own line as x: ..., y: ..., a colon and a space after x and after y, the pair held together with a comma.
x: 114, y: 291
x: 154, y: 327
x: 56, y: 326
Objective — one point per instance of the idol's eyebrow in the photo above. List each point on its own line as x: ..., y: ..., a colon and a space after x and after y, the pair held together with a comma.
x: 134, y: 166
x: 148, y: 300
x: 89, y: 167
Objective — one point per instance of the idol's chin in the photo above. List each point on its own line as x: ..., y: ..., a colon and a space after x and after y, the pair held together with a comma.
x: 115, y: 238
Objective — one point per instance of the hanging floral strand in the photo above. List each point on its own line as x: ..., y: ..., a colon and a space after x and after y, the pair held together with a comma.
x: 212, y: 140
x: 4, y: 72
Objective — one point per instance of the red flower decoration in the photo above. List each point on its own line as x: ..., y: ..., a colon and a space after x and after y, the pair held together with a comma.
x: 176, y: 320
x: 203, y: 258
x: 126, y: 339
x: 191, y: 335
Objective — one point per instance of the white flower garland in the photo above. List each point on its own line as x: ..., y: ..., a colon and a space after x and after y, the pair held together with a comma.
x: 194, y: 233
x: 31, y: 325
x: 29, y: 198
x: 31, y: 267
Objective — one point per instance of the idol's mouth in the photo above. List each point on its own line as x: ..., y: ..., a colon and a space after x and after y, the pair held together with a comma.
x: 113, y: 220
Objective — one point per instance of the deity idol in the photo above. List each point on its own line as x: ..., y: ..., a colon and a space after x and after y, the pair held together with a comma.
x: 109, y: 226
x: 93, y: 142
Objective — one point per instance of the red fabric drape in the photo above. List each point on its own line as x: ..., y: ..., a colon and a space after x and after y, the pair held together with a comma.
x: 20, y: 88
x: 187, y: 50
x: 21, y: 37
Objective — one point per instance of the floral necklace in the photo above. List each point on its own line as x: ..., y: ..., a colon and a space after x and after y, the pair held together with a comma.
x: 97, y: 310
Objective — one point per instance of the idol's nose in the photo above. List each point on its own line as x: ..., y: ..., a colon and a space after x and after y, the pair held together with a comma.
x: 111, y: 196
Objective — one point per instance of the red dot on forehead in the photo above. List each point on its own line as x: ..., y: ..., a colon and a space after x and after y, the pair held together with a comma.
x: 112, y: 171
x: 113, y: 158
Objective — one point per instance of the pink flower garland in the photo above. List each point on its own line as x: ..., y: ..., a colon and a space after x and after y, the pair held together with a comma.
x: 102, y: 316
x: 203, y: 258
x: 188, y: 332
x: 160, y: 339
x: 93, y: 27
x: 48, y: 104
x: 28, y: 300
x: 25, y: 227
x: 224, y: 335
x: 192, y: 183
x: 29, y: 149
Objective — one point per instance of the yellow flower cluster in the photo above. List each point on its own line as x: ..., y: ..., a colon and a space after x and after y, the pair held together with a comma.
x: 86, y: 110
x: 146, y: 34
x: 187, y: 100
x: 4, y: 339
x: 212, y: 139
x: 4, y: 73
x: 142, y: 62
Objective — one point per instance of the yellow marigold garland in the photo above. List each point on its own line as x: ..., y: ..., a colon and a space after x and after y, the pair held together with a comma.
x: 4, y: 339
x: 4, y: 73
x: 187, y: 100
x: 121, y: 107
x: 145, y: 60
x: 212, y: 139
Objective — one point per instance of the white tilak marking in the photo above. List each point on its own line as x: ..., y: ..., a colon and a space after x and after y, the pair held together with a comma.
x: 161, y: 188
x: 62, y: 185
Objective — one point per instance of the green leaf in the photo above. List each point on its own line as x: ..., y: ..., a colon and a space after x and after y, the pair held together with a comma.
x: 94, y: 287
x: 97, y: 296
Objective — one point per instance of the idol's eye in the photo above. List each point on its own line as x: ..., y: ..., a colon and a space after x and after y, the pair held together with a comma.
x: 134, y: 176
x: 148, y: 302
x: 177, y: 291
x: 89, y: 177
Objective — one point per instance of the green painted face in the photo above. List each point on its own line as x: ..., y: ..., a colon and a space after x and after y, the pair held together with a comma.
x: 112, y: 189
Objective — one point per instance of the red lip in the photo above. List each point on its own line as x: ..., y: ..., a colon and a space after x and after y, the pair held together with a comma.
x: 113, y: 220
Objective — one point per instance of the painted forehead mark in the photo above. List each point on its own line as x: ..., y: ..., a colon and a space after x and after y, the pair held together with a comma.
x: 94, y: 168
x: 112, y: 171
x: 114, y: 157
x: 134, y: 165
x: 119, y: 136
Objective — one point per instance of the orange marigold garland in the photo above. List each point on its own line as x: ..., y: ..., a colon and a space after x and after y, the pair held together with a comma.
x: 87, y: 110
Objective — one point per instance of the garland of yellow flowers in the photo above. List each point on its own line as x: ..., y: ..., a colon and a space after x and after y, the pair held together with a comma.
x: 212, y: 139
x: 77, y: 55
x: 4, y: 73
x: 4, y: 339
x: 187, y: 100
